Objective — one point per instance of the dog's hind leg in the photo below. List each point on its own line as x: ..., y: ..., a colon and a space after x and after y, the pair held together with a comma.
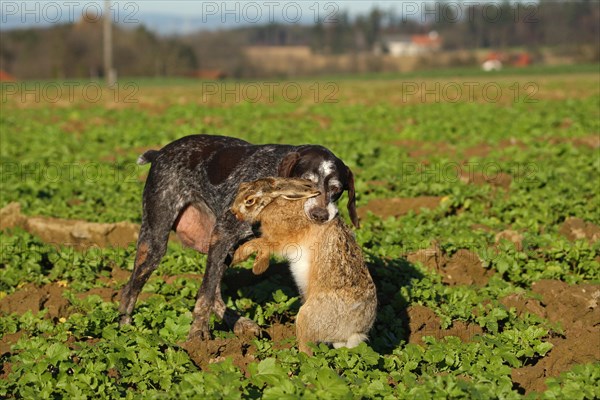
x: 151, y: 247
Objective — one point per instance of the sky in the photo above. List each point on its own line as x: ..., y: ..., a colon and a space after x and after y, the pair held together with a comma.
x: 222, y: 14
x: 191, y: 7
x: 185, y: 16
x: 179, y: 16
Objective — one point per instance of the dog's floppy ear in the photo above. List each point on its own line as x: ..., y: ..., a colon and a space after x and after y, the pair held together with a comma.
x: 287, y: 164
x: 351, y: 198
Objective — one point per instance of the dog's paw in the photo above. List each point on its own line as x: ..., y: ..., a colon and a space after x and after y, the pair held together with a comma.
x: 199, y: 330
x: 125, y: 320
x: 246, y: 327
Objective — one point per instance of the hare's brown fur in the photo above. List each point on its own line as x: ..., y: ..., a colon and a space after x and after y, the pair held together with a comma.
x: 328, y: 266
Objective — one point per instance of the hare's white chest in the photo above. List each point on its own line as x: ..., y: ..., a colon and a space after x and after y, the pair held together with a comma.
x: 300, y: 267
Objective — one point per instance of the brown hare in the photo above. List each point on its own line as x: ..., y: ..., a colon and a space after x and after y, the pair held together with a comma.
x: 327, y: 264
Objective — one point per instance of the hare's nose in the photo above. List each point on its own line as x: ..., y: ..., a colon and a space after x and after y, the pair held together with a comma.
x: 319, y: 214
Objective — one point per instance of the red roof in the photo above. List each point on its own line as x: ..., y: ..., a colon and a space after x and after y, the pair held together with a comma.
x: 6, y: 77
x: 426, y: 40
x: 211, y: 74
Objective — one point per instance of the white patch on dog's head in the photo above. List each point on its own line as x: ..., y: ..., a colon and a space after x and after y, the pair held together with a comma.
x: 326, y: 168
x: 332, y: 210
x: 311, y: 177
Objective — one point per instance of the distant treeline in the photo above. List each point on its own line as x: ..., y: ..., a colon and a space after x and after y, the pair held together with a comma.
x: 75, y: 50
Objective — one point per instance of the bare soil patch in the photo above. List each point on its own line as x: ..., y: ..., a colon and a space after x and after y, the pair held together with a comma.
x: 423, y: 150
x: 69, y: 232
x: 575, y: 308
x: 481, y: 150
x: 499, y: 179
x: 31, y: 297
x: 576, y: 228
x: 514, y: 237
x: 422, y: 321
x: 241, y: 350
x: 462, y: 268
x: 590, y: 141
x: 206, y: 352
x: 396, y: 207
x: 50, y: 297
x: 34, y: 298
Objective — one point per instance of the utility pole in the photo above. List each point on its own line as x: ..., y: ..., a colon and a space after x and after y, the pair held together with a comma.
x: 109, y: 72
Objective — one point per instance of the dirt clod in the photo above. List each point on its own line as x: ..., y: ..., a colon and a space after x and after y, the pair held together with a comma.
x: 512, y: 236
x: 575, y: 308
x: 33, y: 298
x: 241, y: 350
x: 10, y: 216
x: 396, y: 207
x: 497, y: 179
x: 576, y: 228
x: 462, y: 268
x: 82, y: 235
x: 422, y: 321
x: 8, y: 340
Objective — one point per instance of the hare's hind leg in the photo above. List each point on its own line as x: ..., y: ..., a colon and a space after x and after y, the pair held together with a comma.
x: 354, y: 340
x: 304, y: 331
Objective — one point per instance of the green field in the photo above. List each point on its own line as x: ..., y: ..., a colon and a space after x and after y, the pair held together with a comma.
x: 480, y: 223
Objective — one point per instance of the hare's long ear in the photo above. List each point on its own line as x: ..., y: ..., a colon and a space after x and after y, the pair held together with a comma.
x: 295, y: 189
x: 299, y: 195
x: 287, y: 164
x: 351, y: 198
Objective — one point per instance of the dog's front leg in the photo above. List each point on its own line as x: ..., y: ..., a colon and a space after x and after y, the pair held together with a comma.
x: 241, y: 326
x: 207, y: 294
x: 226, y: 235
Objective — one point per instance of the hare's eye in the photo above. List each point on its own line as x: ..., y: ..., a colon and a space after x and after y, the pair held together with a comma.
x: 250, y: 201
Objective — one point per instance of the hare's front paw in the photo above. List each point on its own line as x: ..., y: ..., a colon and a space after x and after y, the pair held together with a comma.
x: 244, y: 252
x: 239, y: 256
x: 261, y: 264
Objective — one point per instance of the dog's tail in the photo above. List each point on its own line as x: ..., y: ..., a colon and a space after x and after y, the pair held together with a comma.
x: 147, y: 157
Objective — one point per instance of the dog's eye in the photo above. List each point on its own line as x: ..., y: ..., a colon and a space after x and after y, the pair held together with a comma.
x: 335, y: 189
x: 250, y: 201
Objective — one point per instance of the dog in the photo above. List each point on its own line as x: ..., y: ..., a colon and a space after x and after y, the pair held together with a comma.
x: 190, y: 188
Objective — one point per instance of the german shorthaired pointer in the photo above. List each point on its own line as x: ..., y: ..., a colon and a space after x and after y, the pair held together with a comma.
x: 190, y: 187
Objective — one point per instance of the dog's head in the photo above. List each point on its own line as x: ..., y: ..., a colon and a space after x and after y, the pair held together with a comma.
x: 331, y: 177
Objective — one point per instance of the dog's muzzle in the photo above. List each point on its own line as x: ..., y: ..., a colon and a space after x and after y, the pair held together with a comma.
x: 319, y: 213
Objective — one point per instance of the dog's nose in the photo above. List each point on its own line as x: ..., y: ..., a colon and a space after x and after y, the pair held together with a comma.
x: 319, y: 214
